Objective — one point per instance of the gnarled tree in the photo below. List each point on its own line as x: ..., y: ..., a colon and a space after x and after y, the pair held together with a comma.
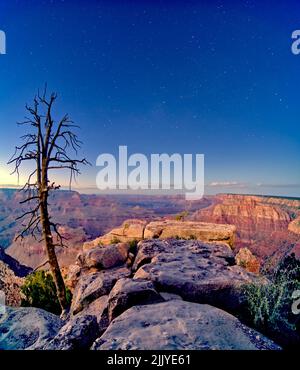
x: 48, y: 145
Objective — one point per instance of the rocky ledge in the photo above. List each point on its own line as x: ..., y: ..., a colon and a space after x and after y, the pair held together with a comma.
x: 137, y: 230
x: 165, y: 294
x: 294, y: 226
x: 178, y: 325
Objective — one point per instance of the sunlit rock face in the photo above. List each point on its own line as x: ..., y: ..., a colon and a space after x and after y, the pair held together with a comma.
x: 265, y: 225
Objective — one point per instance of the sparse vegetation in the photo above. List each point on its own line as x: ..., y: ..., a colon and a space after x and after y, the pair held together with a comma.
x: 39, y: 291
x: 115, y: 240
x: 269, y: 304
x: 133, y: 246
x: 181, y: 216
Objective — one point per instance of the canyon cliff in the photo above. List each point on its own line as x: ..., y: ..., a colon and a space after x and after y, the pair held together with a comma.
x: 267, y: 226
x: 263, y: 224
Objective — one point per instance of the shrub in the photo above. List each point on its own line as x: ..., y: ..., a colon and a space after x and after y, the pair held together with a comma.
x: 269, y: 304
x: 39, y: 291
x: 115, y: 240
x: 181, y: 216
x: 133, y: 246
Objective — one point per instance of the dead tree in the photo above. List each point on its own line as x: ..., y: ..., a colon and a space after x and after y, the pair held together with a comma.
x: 48, y: 146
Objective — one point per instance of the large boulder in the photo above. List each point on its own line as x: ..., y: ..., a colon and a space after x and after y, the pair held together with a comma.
x: 94, y: 285
x: 179, y: 325
x: 206, y: 232
x: 127, y: 293
x: 78, y: 333
x: 198, y: 272
x: 27, y: 328
x: 105, y: 257
x: 99, y: 309
x: 246, y: 259
x: 132, y: 229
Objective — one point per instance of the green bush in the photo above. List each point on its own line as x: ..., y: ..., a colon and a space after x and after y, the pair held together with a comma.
x: 39, y: 291
x: 269, y: 304
x: 133, y: 246
x: 115, y: 240
x: 181, y: 216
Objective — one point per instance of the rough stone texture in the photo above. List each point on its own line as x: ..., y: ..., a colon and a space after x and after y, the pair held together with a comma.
x: 206, y: 232
x: 106, y: 257
x: 17, y: 268
x: 170, y: 296
x: 262, y: 223
x: 27, y: 328
x: 94, y: 285
x: 78, y: 333
x: 127, y: 293
x: 178, y: 325
x: 94, y: 215
x: 72, y: 276
x: 294, y: 226
x: 147, y: 249
x: 198, y: 272
x: 99, y: 309
x: 10, y: 285
x: 132, y: 229
x: 246, y: 259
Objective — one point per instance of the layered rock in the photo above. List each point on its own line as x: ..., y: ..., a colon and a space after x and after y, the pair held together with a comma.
x: 83, y: 217
x: 31, y: 252
x: 262, y: 223
x: 136, y: 230
x: 18, y: 269
x: 130, y: 230
x: 178, y: 325
x: 206, y: 232
x: 294, y: 226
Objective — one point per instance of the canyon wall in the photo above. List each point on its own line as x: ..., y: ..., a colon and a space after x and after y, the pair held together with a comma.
x: 263, y: 223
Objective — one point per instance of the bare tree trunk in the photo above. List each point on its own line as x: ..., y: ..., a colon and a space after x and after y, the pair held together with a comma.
x: 47, y: 146
x: 50, y: 248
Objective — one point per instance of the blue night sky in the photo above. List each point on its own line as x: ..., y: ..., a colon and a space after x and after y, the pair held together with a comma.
x: 211, y: 77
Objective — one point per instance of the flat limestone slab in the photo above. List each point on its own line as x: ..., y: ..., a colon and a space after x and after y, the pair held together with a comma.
x: 206, y: 232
